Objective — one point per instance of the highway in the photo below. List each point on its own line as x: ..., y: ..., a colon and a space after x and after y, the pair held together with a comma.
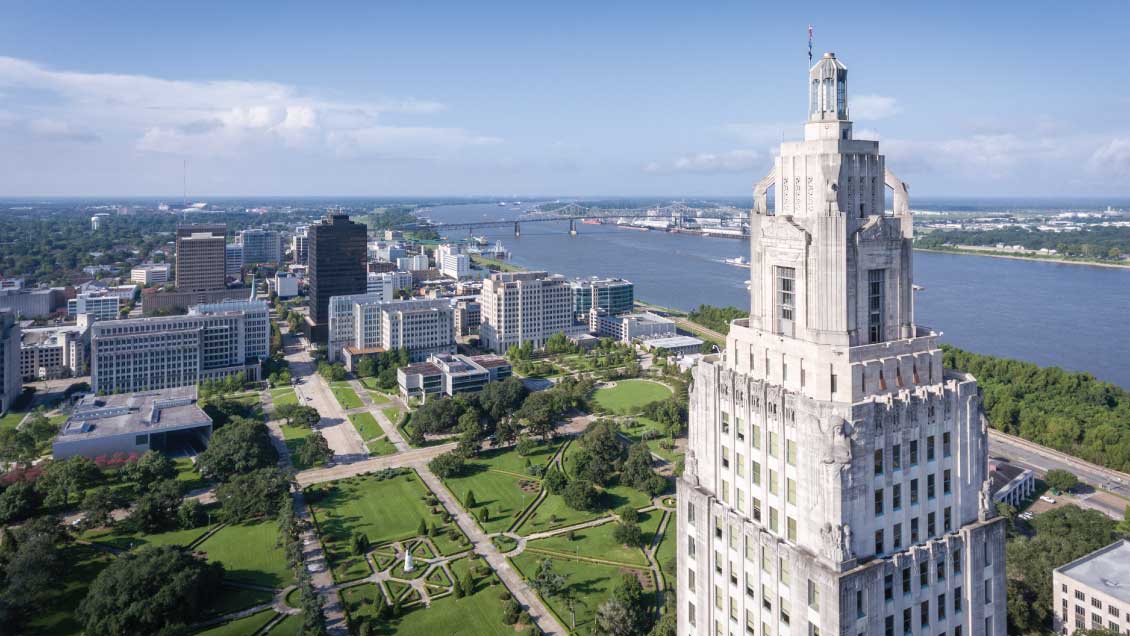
x: 1041, y: 459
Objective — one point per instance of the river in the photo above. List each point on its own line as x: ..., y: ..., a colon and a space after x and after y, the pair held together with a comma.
x: 1073, y: 316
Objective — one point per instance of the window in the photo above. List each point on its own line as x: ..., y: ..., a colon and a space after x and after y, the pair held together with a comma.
x: 914, y: 453
x: 783, y: 573
x: 140, y: 440
x: 690, y: 513
x: 930, y: 448
x: 896, y: 457
x: 914, y: 530
x: 790, y: 490
x: 906, y: 580
x: 896, y: 497
x: 790, y: 528
x: 879, y: 541
x: 940, y: 568
x: 931, y: 524
x: 690, y: 547
x: 755, y: 472
x: 956, y: 560
x: 790, y: 452
x: 772, y: 444
x: 786, y: 299
x: 740, y: 467
x: 988, y: 591
x: 888, y: 587
x: 907, y: 623
x: 914, y: 492
x: 690, y: 612
x: 945, y: 444
x: 931, y: 489
x: 878, y: 501
x: 813, y: 595
x: 879, y: 462
x: 859, y: 609
x: 774, y: 486
x: 897, y: 539
x: 773, y: 526
x: 876, y: 281
x: 756, y: 510
x: 947, y: 519
x: 923, y: 575
x: 946, y: 482
x: 725, y: 457
x: 957, y: 600
x: 690, y: 579
x: 924, y: 613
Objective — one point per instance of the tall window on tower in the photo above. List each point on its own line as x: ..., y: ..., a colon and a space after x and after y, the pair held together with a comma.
x: 786, y: 299
x: 876, y: 282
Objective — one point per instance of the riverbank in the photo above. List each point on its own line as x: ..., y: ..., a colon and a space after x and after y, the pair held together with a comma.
x: 1023, y: 257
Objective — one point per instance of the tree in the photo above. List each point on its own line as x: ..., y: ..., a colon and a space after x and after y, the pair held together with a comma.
x: 32, y: 567
x: 148, y: 591
x: 191, y: 514
x: 1124, y: 525
x: 17, y: 446
x: 305, y: 416
x: 156, y: 510
x: 316, y: 451
x: 359, y: 543
x: 254, y: 494
x: 612, y: 619
x: 547, y: 581
x: 628, y: 533
x: 449, y: 464
x: 151, y: 467
x: 580, y: 494
x: 555, y: 481
x: 539, y: 412
x: 240, y: 447
x: 628, y: 514
x: 629, y: 593
x: 470, y: 502
x: 367, y: 367
x: 62, y: 478
x: 1062, y: 480
x: 18, y: 502
x: 526, y: 446
x: 636, y: 471
x: 98, y: 505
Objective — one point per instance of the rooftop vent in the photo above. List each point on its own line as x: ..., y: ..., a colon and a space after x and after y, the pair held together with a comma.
x: 1111, y: 582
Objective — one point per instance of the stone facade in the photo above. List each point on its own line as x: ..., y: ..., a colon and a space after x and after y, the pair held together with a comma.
x: 836, y: 477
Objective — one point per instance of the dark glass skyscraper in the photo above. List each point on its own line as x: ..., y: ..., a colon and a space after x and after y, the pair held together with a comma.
x: 337, y: 267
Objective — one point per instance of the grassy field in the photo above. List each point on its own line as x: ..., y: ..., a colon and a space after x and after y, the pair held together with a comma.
x: 288, y: 626
x: 345, y: 395
x: 597, y: 542
x: 242, y: 626
x: 628, y: 396
x: 234, y: 599
x: 665, y: 553
x: 56, y: 617
x: 12, y: 419
x: 122, y: 538
x: 479, y: 613
x: 384, y: 510
x: 499, y: 492
x: 188, y: 475
x: 366, y: 425
x: 283, y: 396
x: 380, y: 446
x: 592, y: 583
x: 392, y: 413
x: 250, y: 554
x: 636, y: 434
x: 295, y: 439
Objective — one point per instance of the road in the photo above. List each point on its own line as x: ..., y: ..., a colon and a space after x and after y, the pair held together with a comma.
x: 313, y: 390
x: 1041, y: 459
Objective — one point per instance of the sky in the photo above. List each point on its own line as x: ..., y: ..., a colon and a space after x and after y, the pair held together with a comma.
x: 383, y: 98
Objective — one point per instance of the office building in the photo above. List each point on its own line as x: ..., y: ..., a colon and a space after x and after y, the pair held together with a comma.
x: 300, y: 245
x: 30, y: 304
x: 628, y: 328
x: 285, y: 285
x: 11, y: 384
x: 53, y: 352
x: 336, y: 267
x: 98, y: 220
x: 836, y: 476
x: 213, y: 341
x: 151, y: 274
x: 11, y: 283
x: 613, y: 295
x: 452, y: 262
x: 448, y: 374
x: 468, y: 317
x: 416, y: 263
x: 1093, y: 592
x: 388, y: 252
x: 153, y: 300
x: 387, y: 283
x: 260, y: 246
x: 233, y: 261
x: 166, y: 420
x: 524, y: 306
x: 97, y: 305
x: 200, y: 257
x: 364, y: 324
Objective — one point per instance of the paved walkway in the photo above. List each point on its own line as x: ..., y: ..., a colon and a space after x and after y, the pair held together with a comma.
x: 416, y: 456
x: 391, y: 432
x: 314, y: 391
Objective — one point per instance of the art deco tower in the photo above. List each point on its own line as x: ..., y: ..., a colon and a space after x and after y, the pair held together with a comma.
x: 836, y: 478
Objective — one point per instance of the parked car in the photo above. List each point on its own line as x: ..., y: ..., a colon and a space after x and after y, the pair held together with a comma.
x: 1047, y: 499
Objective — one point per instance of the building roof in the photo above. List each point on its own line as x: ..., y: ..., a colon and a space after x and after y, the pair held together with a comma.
x: 1106, y: 570
x: 46, y: 336
x: 421, y: 368
x: 491, y: 362
x: 97, y: 416
x: 361, y: 351
x: 672, y: 342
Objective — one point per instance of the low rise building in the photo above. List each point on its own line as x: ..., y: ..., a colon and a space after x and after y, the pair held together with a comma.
x: 96, y: 305
x: 154, y: 301
x: 387, y: 283
x: 678, y: 345
x: 54, y: 352
x: 285, y: 285
x: 630, y: 327
x: 29, y: 304
x: 1011, y: 484
x: 165, y: 420
x: 1093, y: 592
x: 413, y: 263
x: 448, y: 374
x: 151, y: 274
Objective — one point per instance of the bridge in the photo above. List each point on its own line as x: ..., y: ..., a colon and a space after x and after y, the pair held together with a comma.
x: 573, y: 212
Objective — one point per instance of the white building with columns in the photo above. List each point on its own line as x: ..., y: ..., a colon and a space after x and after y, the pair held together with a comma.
x: 836, y: 477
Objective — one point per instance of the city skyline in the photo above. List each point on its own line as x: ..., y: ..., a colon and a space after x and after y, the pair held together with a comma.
x: 510, y: 99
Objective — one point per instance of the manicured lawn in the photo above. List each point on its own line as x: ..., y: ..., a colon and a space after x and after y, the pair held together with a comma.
x: 366, y: 425
x: 187, y: 474
x: 250, y: 400
x: 242, y: 626
x: 56, y: 617
x: 234, y: 599
x: 392, y: 413
x: 628, y: 396
x: 508, y: 459
x: 380, y: 446
x: 596, y: 542
x: 122, y: 538
x: 283, y: 397
x: 450, y: 540
x: 665, y: 553
x: 379, y: 398
x: 12, y: 419
x: 553, y: 513
x: 288, y: 626
x: 250, y: 553
x: 345, y: 395
x: 383, y: 509
x: 592, y: 583
x: 479, y: 613
x: 295, y: 439
x: 649, y: 524
x: 499, y: 492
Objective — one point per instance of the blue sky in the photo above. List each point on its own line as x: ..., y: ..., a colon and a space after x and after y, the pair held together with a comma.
x: 583, y: 98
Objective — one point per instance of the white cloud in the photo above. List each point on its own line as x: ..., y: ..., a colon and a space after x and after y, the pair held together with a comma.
x: 222, y: 117
x: 760, y: 134
x: 707, y: 163
x: 1112, y: 158
x: 872, y: 107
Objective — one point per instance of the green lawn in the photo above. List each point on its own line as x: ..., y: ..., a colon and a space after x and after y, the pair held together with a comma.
x: 380, y: 446
x: 283, y: 397
x: 665, y: 553
x: 12, y: 419
x: 366, y: 425
x: 345, y: 395
x: 295, y: 438
x: 553, y: 513
x: 596, y: 542
x: 479, y: 613
x: 499, y: 492
x: 235, y: 599
x: 392, y: 413
x: 56, y: 616
x: 592, y: 582
x: 250, y: 553
x: 124, y: 539
x: 628, y: 396
x: 288, y: 626
x: 188, y: 475
x: 508, y: 459
x: 384, y: 510
x: 242, y: 626
x: 379, y: 398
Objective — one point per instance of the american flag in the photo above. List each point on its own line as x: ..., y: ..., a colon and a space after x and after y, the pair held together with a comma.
x: 810, y: 44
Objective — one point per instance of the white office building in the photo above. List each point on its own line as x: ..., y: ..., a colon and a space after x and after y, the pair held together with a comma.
x: 300, y: 245
x: 285, y: 285
x: 363, y: 324
x: 151, y: 274
x: 452, y: 262
x: 387, y: 283
x: 213, y: 341
x: 413, y: 263
x: 525, y: 306
x: 96, y: 305
x: 260, y: 246
x: 836, y: 477
x: 54, y: 352
x: 628, y: 328
x: 1093, y: 592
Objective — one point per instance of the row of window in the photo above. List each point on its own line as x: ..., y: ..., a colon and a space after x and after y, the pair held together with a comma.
x: 896, y: 455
